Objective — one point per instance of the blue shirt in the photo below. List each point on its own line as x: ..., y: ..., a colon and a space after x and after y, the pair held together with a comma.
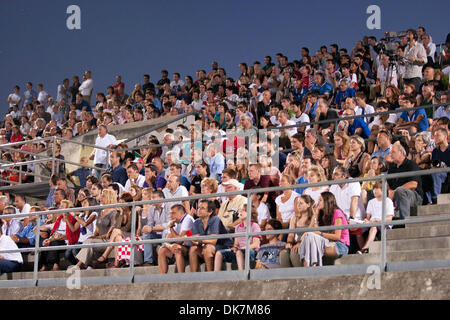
x: 28, y: 96
x: 82, y: 174
x: 28, y: 233
x: 359, y: 123
x: 381, y: 153
x: 185, y: 181
x: 442, y: 112
x: 119, y: 174
x: 214, y: 226
x: 159, y: 183
x: 84, y: 104
x: 323, y: 89
x: 349, y: 92
x: 300, y: 181
x: 217, y: 164
x: 423, y: 125
x: 50, y: 199
x: 311, y: 110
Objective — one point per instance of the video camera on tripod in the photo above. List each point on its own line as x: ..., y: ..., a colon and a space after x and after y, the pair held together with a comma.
x: 389, y: 48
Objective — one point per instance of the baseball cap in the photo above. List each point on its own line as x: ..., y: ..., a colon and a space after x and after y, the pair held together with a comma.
x: 253, y: 86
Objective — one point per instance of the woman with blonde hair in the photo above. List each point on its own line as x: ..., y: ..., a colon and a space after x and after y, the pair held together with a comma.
x: 341, y: 146
x: 105, y: 224
x: 315, y: 174
x: 358, y: 159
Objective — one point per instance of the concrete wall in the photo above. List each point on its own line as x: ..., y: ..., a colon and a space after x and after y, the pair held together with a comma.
x: 74, y: 152
x: 426, y: 284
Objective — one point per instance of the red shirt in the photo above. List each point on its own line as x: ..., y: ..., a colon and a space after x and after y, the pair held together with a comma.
x: 117, y: 86
x: 72, y: 237
x: 16, y: 138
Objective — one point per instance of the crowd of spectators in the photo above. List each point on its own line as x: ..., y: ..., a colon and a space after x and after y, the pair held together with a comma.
x: 330, y: 84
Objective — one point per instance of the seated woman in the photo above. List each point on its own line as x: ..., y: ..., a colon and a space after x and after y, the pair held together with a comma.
x: 318, y: 152
x: 105, y: 224
x: 269, y: 170
x: 315, y: 174
x: 357, y: 160
x: 328, y: 164
x: 237, y: 252
x: 286, y: 202
x: 314, y: 245
x: 302, y: 218
x: 61, y: 230
x: 376, y: 167
x: 268, y: 256
x: 341, y: 146
x: 123, y: 230
x: 207, y: 186
x: 85, y: 220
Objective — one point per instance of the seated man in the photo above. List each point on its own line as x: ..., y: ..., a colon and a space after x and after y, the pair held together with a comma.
x: 207, y: 224
x: 154, y: 221
x: 10, y: 226
x: 405, y: 192
x: 343, y: 92
x: 412, y: 120
x: 9, y: 262
x: 134, y: 177
x: 355, y: 126
x: 440, y: 157
x: 179, y: 225
x: 229, y: 209
x: 26, y: 237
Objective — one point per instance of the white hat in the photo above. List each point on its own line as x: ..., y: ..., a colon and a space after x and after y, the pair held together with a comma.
x: 232, y: 182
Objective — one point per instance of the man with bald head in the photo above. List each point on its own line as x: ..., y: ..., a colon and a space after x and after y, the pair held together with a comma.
x: 406, y: 192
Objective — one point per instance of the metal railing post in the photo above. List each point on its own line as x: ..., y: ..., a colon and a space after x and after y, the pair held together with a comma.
x: 247, y: 237
x: 36, y: 250
x: 133, y: 240
x: 53, y: 155
x: 20, y: 174
x: 383, y: 227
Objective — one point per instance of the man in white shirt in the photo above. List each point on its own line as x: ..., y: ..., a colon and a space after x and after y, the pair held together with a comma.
x: 174, y: 189
x: 10, y: 226
x: 86, y: 87
x: 101, y: 156
x: 231, y: 98
x: 9, y: 262
x: 415, y: 57
x: 363, y: 107
x: 14, y: 98
x: 177, y: 84
x: 348, y: 195
x: 429, y: 46
x: 22, y: 207
x: 42, y: 95
x: 134, y: 177
x: 299, y: 116
x: 283, y: 119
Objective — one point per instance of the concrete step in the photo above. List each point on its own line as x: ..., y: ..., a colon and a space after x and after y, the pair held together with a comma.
x: 412, y: 244
x: 427, y: 224
x: 443, y: 198
x: 431, y: 210
x: 121, y: 272
x: 396, y: 256
x: 419, y: 232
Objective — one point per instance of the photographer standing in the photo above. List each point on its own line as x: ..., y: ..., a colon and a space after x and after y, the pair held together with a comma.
x: 415, y: 57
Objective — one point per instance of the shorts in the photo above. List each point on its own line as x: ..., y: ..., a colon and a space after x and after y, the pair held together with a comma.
x: 229, y: 256
x: 341, y: 248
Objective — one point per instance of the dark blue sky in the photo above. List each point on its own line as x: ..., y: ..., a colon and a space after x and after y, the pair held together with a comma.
x: 144, y: 36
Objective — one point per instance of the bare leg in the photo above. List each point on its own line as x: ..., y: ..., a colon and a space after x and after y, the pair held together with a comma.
x: 163, y: 254
x: 370, y: 238
x: 240, y: 260
x: 193, y: 258
x: 218, y: 260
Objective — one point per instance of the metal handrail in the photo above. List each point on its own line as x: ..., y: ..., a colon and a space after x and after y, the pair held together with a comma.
x: 247, y: 234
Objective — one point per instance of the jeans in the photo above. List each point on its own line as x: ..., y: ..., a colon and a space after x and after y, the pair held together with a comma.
x: 96, y: 172
x: 405, y: 199
x: 70, y: 254
x: 7, y: 266
x: 148, y: 247
x: 438, y: 180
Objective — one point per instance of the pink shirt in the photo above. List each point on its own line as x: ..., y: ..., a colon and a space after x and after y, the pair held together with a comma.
x: 254, y: 227
x: 345, y: 235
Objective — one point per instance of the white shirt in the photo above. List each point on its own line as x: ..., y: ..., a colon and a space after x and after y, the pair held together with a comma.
x: 15, y: 97
x: 89, y: 229
x: 139, y: 181
x: 315, y: 194
x: 101, y: 156
x: 181, y: 191
x: 263, y: 212
x: 6, y: 243
x: 291, y: 131
x: 286, y: 209
x: 344, y: 198
x: 86, y: 87
x: 26, y: 209
x: 382, y: 74
x: 304, y: 118
x: 432, y: 48
x: 234, y: 98
x: 376, y: 121
x: 367, y: 110
x: 60, y: 96
x: 42, y: 97
x: 186, y: 224
x: 375, y: 209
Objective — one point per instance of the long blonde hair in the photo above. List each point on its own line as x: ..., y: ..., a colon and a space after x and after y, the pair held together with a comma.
x: 345, y: 149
